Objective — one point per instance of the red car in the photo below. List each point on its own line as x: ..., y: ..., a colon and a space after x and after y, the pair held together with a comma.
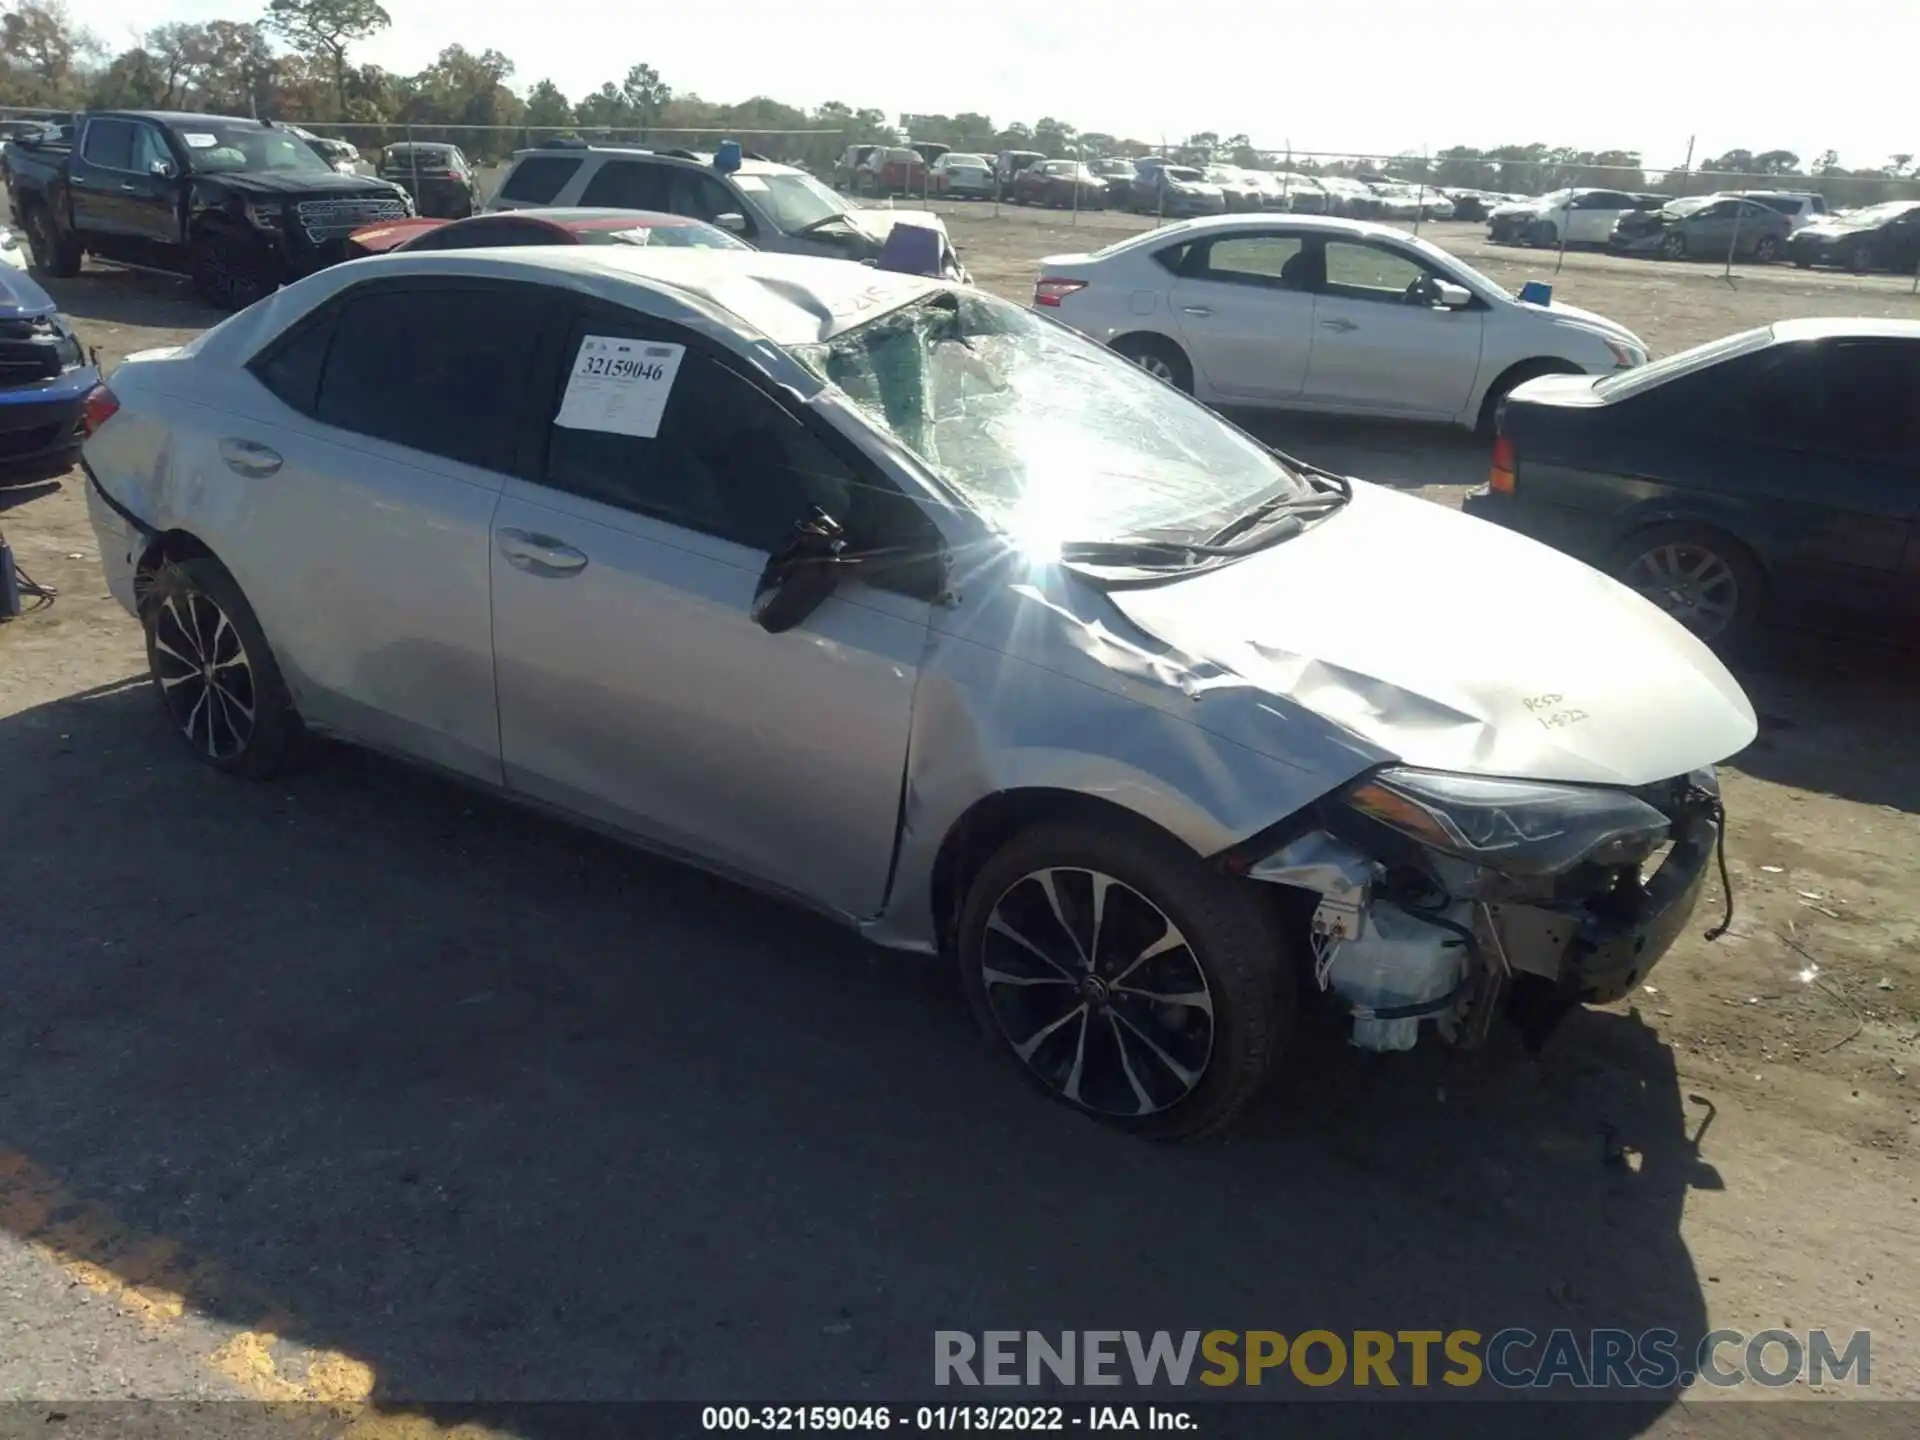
x: 1055, y: 183
x: 891, y: 170
x: 542, y: 227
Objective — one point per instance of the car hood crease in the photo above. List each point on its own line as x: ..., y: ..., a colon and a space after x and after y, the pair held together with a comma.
x: 1456, y: 645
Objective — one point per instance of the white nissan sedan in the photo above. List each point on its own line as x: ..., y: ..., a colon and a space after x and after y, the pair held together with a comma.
x: 884, y: 595
x: 1314, y: 313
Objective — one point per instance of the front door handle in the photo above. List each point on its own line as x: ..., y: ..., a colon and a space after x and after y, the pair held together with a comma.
x: 130, y: 189
x: 1341, y: 325
x: 249, y: 457
x: 539, y: 554
x: 1196, y: 310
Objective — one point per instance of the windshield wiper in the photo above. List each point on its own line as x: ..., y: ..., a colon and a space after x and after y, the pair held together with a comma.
x: 1145, y: 554
x: 1285, y: 505
x: 823, y: 222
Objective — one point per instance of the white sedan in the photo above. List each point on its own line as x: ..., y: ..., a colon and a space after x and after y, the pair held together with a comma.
x: 1311, y: 313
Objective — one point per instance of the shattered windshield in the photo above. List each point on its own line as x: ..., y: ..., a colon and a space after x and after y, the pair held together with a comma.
x: 1050, y: 436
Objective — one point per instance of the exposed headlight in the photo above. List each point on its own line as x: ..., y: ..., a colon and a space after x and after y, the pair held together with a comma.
x: 1517, y: 827
x: 265, y: 214
x: 1625, y: 356
x: 8, y: 240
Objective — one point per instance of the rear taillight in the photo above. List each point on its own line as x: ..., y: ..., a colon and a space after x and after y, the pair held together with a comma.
x: 99, y: 406
x: 1052, y: 292
x: 1504, y: 465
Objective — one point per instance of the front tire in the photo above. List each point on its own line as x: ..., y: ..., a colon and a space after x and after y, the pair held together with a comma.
x: 1673, y: 246
x: 1123, y: 976
x: 214, y: 672
x: 1860, y: 259
x: 231, y: 273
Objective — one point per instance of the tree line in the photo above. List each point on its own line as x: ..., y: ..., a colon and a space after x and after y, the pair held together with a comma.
x: 296, y: 63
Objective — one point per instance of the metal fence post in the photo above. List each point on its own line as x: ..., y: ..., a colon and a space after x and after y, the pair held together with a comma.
x: 1732, y: 246
x: 413, y: 161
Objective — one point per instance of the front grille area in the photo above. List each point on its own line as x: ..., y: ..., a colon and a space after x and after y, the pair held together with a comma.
x: 324, y: 220
x: 29, y: 352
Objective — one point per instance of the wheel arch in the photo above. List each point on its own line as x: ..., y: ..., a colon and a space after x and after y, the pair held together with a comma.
x: 991, y: 821
x: 168, y: 547
x: 1515, y: 374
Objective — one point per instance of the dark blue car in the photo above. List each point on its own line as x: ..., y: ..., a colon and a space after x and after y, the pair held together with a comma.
x: 1777, y: 470
x: 45, y: 378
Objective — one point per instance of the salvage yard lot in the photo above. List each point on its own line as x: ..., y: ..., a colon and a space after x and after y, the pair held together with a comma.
x: 405, y: 1092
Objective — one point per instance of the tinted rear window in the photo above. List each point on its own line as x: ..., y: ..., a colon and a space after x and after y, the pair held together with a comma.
x: 437, y: 370
x: 538, y: 178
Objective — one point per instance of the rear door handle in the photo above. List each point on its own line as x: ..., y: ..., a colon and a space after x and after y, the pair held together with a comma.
x: 130, y: 189
x: 539, y: 554
x: 1196, y: 310
x: 249, y: 457
x: 1341, y: 325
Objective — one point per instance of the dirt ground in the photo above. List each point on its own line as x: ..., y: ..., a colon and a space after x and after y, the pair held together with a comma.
x: 486, y: 1107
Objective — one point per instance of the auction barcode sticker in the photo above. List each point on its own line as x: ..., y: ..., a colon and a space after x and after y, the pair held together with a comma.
x: 620, y: 386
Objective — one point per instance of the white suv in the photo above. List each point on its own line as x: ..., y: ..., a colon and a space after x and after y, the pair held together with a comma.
x: 1801, y: 207
x: 775, y: 207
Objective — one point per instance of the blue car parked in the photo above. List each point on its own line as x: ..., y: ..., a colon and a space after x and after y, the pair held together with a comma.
x: 45, y: 378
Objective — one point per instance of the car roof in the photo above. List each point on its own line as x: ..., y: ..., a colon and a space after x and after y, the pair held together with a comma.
x: 1324, y: 224
x: 789, y: 299
x: 747, y: 167
x: 182, y: 117
x: 1844, y: 327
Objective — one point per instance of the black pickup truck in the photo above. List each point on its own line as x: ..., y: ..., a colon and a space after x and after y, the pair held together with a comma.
x: 237, y: 206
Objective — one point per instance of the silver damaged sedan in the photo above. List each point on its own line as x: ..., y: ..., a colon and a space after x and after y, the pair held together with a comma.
x: 918, y: 608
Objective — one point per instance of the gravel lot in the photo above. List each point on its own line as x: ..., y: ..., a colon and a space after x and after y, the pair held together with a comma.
x: 365, y: 1085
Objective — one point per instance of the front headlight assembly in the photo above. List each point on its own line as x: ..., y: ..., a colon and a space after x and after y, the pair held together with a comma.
x: 1521, y: 828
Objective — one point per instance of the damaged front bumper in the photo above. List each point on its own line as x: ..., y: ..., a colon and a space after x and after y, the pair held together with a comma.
x: 1404, y: 932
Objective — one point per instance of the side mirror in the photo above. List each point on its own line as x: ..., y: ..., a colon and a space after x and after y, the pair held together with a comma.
x: 161, y: 168
x: 1452, y: 296
x: 798, y: 578
x: 733, y: 220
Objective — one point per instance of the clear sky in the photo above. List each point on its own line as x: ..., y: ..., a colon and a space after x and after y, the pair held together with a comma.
x: 1376, y: 76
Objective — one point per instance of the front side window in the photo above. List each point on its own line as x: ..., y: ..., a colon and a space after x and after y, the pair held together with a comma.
x: 441, y: 369
x: 148, y: 150
x: 109, y: 144
x: 1046, y: 434
x: 1357, y: 271
x: 701, y: 196
x: 628, y: 185
x: 726, y: 459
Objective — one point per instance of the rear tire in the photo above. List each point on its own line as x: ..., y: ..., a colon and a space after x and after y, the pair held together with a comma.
x: 214, y: 672
x: 1159, y: 357
x: 1702, y: 577
x: 1765, y: 250
x: 53, y: 253
x: 1124, y: 976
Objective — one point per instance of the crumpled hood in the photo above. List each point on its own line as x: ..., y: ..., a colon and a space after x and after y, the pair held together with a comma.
x: 309, y: 184
x: 21, y: 296
x: 1456, y: 645
x: 879, y: 223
